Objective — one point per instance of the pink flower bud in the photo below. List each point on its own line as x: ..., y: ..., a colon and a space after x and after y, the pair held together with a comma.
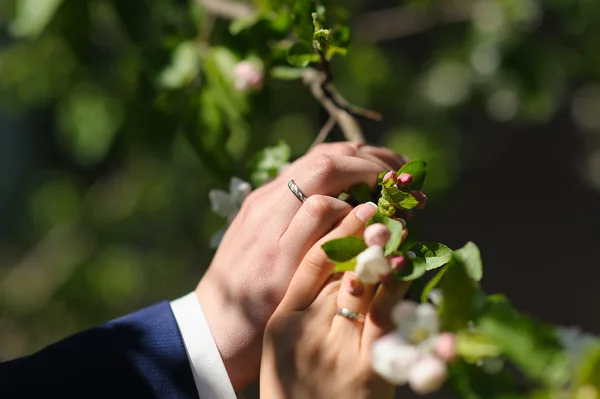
x: 427, y: 375
x: 422, y: 198
x: 390, y: 175
x: 445, y: 346
x: 377, y: 235
x: 398, y: 262
x: 248, y: 77
x: 404, y: 180
x: 355, y: 287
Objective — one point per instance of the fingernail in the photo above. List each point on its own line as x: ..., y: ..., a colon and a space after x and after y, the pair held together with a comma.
x: 402, y: 221
x: 355, y: 287
x: 366, y: 211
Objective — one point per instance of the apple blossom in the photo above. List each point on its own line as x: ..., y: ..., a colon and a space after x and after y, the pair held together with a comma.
x: 390, y: 175
x: 228, y: 204
x: 371, y: 265
x: 392, y: 358
x: 377, y: 235
x: 398, y: 262
x: 248, y: 76
x: 427, y: 375
x: 445, y: 346
x: 404, y: 180
x: 421, y: 197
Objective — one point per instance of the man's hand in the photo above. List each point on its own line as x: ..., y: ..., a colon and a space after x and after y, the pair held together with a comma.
x: 268, y: 239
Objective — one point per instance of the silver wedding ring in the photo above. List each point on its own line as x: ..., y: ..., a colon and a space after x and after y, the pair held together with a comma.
x: 296, y: 190
x: 350, y: 314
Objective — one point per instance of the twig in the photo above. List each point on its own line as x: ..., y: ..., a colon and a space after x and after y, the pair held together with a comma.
x: 346, y: 122
x: 324, y: 132
x: 332, y: 94
x: 227, y: 9
x: 398, y: 22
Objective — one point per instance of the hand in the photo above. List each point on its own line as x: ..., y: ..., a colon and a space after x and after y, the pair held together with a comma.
x: 310, y: 351
x: 267, y: 241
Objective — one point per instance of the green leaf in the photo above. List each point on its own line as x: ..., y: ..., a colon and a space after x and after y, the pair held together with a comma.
x: 431, y: 284
x: 416, y: 269
x: 184, y: 67
x: 413, y: 236
x: 418, y: 170
x: 530, y: 345
x: 287, y: 73
x: 385, y: 208
x: 473, y: 346
x: 32, y: 17
x: 400, y: 199
x: 89, y: 143
x: 588, y: 370
x: 470, y: 257
x: 459, y: 292
x: 266, y: 164
x: 471, y: 382
x: 361, y: 193
x: 344, y: 249
x: 345, y: 266
x: 301, y: 55
x: 436, y: 255
x: 395, y: 228
x: 303, y: 19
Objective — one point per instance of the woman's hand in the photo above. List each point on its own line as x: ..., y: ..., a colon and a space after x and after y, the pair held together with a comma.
x: 311, y: 351
x: 267, y: 241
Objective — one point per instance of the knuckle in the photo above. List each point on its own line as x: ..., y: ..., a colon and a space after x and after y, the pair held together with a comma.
x: 315, y: 261
x: 318, y: 206
x: 324, y: 166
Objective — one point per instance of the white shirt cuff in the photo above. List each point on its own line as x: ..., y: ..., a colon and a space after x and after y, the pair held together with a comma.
x: 205, y: 360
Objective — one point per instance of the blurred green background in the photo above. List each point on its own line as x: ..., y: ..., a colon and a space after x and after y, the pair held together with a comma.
x: 117, y: 117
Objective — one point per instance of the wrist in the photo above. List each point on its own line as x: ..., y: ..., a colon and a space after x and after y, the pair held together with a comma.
x: 233, y: 331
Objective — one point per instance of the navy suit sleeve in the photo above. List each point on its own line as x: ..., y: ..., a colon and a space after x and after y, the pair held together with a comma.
x: 141, y: 355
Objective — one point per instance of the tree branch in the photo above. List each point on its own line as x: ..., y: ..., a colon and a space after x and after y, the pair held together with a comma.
x: 398, y: 22
x: 350, y: 127
x: 324, y: 132
x: 227, y: 9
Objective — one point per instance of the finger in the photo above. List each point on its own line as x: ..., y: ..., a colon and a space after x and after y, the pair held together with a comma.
x: 339, y: 148
x: 388, y: 157
x: 315, y: 268
x: 323, y: 174
x: 379, y: 319
x: 316, y: 217
x: 357, y: 299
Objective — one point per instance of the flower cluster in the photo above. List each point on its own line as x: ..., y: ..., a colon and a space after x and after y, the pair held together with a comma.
x: 403, y: 181
x: 371, y: 264
x: 416, y: 353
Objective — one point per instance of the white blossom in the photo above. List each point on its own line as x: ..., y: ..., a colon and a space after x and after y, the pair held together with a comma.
x: 427, y: 375
x: 407, y: 354
x: 417, y: 323
x: 392, y: 358
x: 228, y: 204
x: 371, y: 264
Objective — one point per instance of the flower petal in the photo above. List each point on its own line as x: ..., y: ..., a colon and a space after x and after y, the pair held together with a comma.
x: 221, y: 203
x: 404, y: 313
x: 427, y: 375
x: 427, y: 317
x: 392, y: 358
x: 239, y: 190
